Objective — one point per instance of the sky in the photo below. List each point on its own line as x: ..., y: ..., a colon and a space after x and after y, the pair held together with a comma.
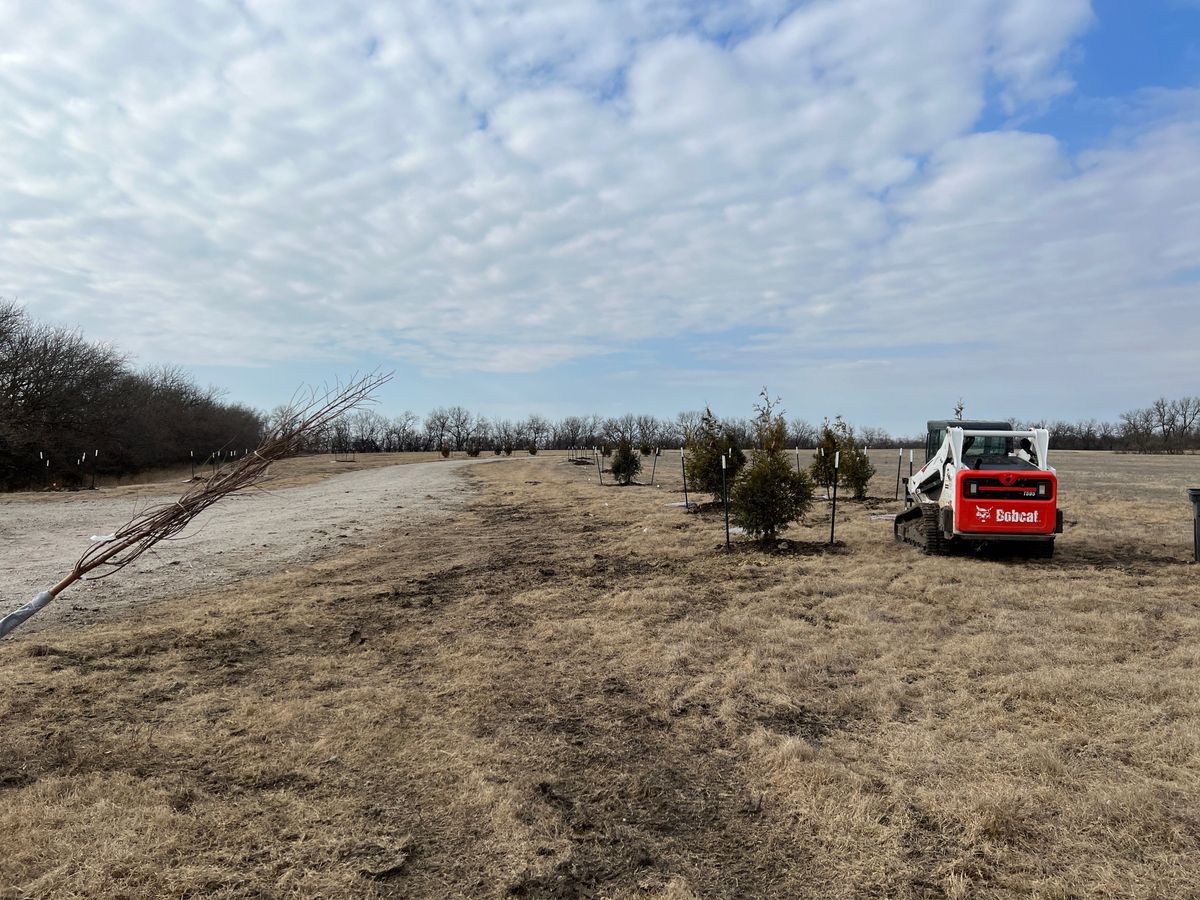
x: 872, y: 207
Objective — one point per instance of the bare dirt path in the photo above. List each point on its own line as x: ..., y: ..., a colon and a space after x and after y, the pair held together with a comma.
x: 255, y: 534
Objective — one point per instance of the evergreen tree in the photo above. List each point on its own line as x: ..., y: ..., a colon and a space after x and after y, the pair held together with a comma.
x: 625, y: 462
x: 769, y: 494
x: 710, y: 440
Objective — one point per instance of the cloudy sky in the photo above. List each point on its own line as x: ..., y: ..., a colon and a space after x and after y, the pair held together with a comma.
x: 872, y: 206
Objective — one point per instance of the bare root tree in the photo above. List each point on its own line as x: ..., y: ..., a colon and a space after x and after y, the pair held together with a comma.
x: 316, y: 411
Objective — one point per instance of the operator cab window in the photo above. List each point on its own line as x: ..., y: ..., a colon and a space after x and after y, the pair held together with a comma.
x: 934, y: 443
x: 987, y: 446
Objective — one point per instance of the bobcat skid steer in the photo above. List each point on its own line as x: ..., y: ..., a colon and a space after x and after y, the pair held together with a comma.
x: 982, y: 482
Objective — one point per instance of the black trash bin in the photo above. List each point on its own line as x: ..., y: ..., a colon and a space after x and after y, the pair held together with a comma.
x: 1194, y: 496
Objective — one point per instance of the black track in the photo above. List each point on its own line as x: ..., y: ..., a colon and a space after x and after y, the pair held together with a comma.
x: 919, y: 526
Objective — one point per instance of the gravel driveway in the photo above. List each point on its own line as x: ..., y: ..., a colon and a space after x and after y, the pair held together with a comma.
x: 244, y: 536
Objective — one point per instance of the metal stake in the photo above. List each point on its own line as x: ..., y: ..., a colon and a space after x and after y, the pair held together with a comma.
x: 725, y: 498
x: 837, y: 459
x: 683, y: 466
x: 899, y: 460
x: 599, y: 468
x: 654, y: 467
x: 1194, y: 496
x: 908, y: 493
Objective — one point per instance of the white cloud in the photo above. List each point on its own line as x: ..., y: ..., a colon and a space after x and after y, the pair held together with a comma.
x: 507, y: 186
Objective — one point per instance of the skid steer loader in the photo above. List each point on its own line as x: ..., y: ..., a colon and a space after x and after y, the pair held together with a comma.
x: 982, y: 482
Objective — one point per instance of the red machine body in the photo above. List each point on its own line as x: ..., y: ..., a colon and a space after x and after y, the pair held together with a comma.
x: 1021, y: 502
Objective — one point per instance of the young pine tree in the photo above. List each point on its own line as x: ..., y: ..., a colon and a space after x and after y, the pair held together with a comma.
x: 824, y: 456
x: 856, y: 470
x: 625, y: 462
x: 769, y: 494
x: 710, y: 440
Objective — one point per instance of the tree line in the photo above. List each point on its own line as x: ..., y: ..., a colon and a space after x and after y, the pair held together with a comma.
x: 79, y: 405
x: 1163, y: 427
x: 458, y: 429
x: 69, y: 405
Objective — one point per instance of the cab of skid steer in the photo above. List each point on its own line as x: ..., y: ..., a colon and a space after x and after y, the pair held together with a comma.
x: 980, y: 447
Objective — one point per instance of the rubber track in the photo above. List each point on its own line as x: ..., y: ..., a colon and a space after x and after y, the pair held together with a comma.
x: 919, y: 526
x: 935, y: 543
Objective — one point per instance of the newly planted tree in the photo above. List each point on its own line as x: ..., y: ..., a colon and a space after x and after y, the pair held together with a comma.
x: 824, y: 456
x: 625, y: 462
x: 711, y: 439
x: 855, y: 470
x: 856, y: 467
x: 769, y: 494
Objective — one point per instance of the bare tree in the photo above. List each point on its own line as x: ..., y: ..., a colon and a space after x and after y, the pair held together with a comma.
x: 1137, y: 429
x: 620, y: 428
x: 802, y: 433
x: 648, y: 431
x: 569, y: 432
x: 1187, y: 415
x: 460, y: 425
x: 1166, y: 421
x: 401, y: 433
x: 535, y: 430
x: 116, y: 551
x: 506, y: 435
x: 436, y: 424
x: 686, y: 424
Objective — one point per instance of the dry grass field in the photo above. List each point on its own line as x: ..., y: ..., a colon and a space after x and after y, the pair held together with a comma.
x: 570, y: 690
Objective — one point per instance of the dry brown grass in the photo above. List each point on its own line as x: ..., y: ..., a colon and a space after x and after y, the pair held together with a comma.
x: 569, y: 690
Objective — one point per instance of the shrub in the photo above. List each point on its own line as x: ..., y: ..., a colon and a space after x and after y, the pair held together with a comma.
x: 709, y: 442
x: 533, y: 449
x: 445, y: 451
x: 823, y: 457
x: 644, y: 449
x: 625, y: 463
x: 508, y: 449
x: 473, y: 450
x: 856, y: 469
x: 769, y: 494
x: 496, y: 450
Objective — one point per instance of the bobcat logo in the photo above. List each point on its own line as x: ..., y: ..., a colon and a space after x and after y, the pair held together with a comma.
x: 983, y: 513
